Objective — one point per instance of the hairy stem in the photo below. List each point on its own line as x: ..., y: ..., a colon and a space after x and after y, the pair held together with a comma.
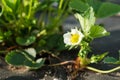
x: 88, y: 67
x: 103, y: 71
x: 62, y: 63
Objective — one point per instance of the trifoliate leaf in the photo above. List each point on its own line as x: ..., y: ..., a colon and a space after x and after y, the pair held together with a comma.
x: 87, y: 20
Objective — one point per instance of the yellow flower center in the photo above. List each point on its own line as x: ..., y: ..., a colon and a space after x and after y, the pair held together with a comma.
x: 74, y: 38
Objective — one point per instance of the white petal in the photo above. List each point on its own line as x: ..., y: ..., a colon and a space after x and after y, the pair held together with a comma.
x: 74, y: 31
x: 67, y: 37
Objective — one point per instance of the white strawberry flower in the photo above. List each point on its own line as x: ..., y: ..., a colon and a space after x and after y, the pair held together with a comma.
x: 73, y: 38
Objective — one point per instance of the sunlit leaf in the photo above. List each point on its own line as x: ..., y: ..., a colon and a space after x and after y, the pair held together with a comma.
x: 98, y: 31
x: 87, y: 20
x: 31, y: 52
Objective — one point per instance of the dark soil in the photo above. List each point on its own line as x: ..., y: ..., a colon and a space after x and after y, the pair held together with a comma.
x: 63, y: 72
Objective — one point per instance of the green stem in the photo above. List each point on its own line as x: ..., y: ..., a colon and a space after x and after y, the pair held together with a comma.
x: 65, y: 4
x: 103, y: 71
x: 60, y: 5
x: 30, y: 9
x: 62, y: 9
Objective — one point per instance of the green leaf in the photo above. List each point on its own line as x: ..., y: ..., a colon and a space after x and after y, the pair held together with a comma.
x: 95, y: 4
x: 30, y: 62
x: 55, y: 41
x: 35, y: 65
x: 98, y: 31
x: 96, y: 58
x: 111, y: 60
x: 78, y: 5
x: 7, y: 34
x: 15, y: 58
x: 86, y: 21
x: 31, y: 52
x: 18, y: 58
x: 1, y: 9
x: 104, y: 9
x: 25, y: 41
x: 108, y: 9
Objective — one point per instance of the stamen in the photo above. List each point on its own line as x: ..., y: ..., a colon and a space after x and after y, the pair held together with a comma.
x: 74, y: 38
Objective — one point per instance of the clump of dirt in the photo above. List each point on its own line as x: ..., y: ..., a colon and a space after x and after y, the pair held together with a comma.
x: 18, y: 69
